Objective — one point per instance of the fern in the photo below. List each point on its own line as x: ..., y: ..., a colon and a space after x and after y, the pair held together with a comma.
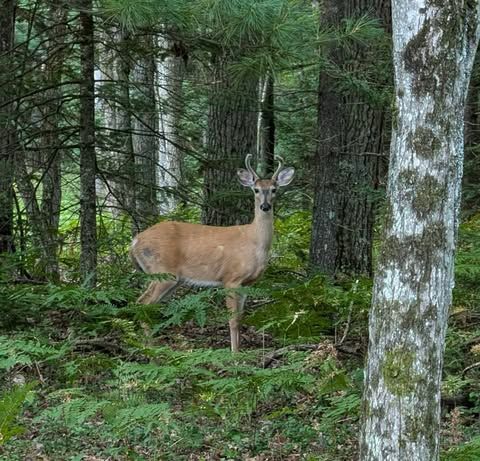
x: 73, y: 412
x: 122, y: 415
x: 127, y: 416
x: 239, y: 395
x: 10, y: 406
x: 24, y: 352
x: 340, y: 406
x: 182, y: 309
x: 469, y: 451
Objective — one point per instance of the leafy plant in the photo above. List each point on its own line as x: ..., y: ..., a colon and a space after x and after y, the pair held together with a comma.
x: 11, y: 403
x: 469, y: 451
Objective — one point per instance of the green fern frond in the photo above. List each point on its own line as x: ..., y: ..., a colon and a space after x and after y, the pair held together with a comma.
x: 11, y: 403
x: 25, y: 351
x: 123, y: 418
x: 469, y: 451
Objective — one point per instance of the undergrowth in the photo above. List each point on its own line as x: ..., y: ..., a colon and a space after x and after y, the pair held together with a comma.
x: 91, y: 375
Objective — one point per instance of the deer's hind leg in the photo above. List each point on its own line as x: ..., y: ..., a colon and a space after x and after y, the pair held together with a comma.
x: 158, y: 291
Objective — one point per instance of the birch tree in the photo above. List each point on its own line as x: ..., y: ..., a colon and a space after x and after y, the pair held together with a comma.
x: 434, y: 48
x: 170, y: 74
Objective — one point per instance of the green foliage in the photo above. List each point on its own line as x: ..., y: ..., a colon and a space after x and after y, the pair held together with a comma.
x: 312, y: 307
x: 293, y: 239
x: 192, y: 306
x: 122, y: 416
x: 15, y: 352
x: 467, y: 452
x: 11, y: 403
x: 467, y: 267
x: 250, y: 387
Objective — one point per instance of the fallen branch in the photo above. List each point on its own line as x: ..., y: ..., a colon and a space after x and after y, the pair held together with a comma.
x: 275, y: 355
x: 470, y: 367
x: 101, y: 343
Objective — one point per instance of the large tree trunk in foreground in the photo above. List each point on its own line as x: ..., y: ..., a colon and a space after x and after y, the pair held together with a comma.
x: 232, y: 134
x: 7, y: 28
x: 88, y: 223
x: 434, y: 47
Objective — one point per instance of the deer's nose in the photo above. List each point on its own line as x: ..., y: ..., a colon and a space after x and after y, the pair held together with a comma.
x: 265, y: 206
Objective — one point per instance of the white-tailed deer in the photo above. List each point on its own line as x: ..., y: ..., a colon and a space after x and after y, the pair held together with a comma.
x: 202, y: 255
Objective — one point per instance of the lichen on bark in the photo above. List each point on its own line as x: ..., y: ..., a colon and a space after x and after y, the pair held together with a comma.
x: 431, y: 66
x: 428, y: 196
x: 398, y: 371
x: 424, y: 142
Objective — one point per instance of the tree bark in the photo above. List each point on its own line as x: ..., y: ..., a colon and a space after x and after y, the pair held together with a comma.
x: 144, y: 138
x: 434, y: 47
x: 170, y: 76
x: 126, y: 189
x: 351, y: 141
x: 7, y: 137
x: 52, y: 158
x: 88, y: 225
x: 231, y: 135
x: 323, y: 247
x: 267, y: 126
x: 363, y: 157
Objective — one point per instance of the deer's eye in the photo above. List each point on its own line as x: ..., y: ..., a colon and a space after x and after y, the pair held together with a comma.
x: 256, y: 191
x: 274, y: 190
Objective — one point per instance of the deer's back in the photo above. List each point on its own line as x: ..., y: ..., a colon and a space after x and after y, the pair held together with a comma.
x: 203, y: 255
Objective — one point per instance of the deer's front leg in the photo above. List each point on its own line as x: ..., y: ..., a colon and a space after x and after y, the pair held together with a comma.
x: 235, y: 302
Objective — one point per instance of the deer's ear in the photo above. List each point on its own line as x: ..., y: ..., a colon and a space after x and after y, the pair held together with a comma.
x: 246, y: 178
x: 285, y: 176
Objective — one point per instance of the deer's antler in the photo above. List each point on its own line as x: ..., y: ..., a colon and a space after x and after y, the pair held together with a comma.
x: 249, y: 167
x: 280, y: 166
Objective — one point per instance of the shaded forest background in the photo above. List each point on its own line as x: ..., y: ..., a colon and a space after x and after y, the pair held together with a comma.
x: 116, y: 115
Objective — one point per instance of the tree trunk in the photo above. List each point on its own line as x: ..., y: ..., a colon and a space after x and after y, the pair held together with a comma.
x: 106, y: 110
x: 434, y: 47
x: 52, y: 158
x: 88, y: 225
x: 126, y: 178
x: 363, y: 153
x: 267, y: 126
x: 43, y: 216
x: 351, y: 142
x: 231, y: 135
x: 323, y: 247
x: 144, y: 139
x: 170, y: 75
x: 7, y: 149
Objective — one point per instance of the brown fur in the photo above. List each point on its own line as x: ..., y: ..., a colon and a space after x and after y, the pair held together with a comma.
x: 207, y: 255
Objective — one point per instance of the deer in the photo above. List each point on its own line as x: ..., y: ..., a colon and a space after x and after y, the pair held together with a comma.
x: 212, y: 256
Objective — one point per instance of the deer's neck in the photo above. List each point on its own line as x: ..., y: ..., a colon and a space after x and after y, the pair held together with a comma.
x: 263, y: 228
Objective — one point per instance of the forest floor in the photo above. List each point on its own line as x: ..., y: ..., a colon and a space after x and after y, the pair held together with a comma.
x: 88, y: 375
